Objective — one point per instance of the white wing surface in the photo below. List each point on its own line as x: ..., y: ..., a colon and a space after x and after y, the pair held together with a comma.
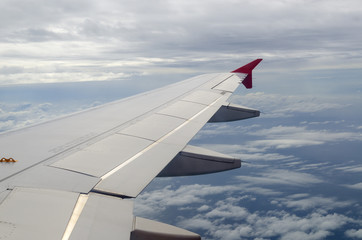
x: 76, y: 177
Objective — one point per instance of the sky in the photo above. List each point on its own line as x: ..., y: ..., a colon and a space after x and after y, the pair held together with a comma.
x: 302, y: 173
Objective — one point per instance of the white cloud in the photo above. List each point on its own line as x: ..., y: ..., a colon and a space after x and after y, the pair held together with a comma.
x: 203, y: 208
x: 247, y: 152
x: 260, y: 190
x: 18, y: 115
x: 353, y: 233
x: 357, y: 186
x: 229, y: 219
x: 353, y: 169
x: 267, y: 225
x: 280, y: 137
x: 284, y: 143
x: 315, y: 202
x: 23, y: 114
x: 284, y: 177
x: 229, y: 211
x: 312, y: 226
x: 278, y: 106
x: 196, y: 223
x: 184, y: 195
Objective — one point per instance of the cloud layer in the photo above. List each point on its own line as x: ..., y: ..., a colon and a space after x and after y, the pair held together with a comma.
x: 49, y: 41
x: 226, y: 219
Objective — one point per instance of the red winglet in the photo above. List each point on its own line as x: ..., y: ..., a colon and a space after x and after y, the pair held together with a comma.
x: 248, y: 68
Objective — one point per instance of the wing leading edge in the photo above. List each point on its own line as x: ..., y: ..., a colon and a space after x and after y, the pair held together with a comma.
x: 85, y: 169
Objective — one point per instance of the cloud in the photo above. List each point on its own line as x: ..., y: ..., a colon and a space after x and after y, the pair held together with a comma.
x: 228, y: 211
x: 184, y: 195
x: 258, y: 138
x: 247, y: 152
x: 22, y: 114
x: 18, y: 115
x: 357, y: 186
x: 353, y: 233
x: 229, y: 219
x: 283, y: 105
x: 196, y: 223
x: 315, y: 202
x: 284, y: 177
x: 280, y: 137
x: 353, y: 169
x: 203, y: 208
x: 195, y: 37
x: 260, y: 190
x: 267, y: 225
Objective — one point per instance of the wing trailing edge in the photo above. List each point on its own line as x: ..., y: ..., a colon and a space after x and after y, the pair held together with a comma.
x: 247, y: 69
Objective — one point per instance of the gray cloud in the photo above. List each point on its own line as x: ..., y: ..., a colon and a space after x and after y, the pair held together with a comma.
x: 198, y: 36
x: 353, y: 233
x: 351, y: 169
x: 355, y: 186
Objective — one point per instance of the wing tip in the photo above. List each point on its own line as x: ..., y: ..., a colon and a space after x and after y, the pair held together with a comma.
x: 247, y: 69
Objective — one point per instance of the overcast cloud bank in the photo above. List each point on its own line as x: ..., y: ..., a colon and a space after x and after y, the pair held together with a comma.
x: 52, y: 41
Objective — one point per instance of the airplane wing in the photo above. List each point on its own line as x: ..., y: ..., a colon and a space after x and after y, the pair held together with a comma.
x: 76, y: 177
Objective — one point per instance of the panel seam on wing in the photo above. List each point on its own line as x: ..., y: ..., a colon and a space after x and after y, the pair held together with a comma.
x: 223, y: 81
x: 169, y: 115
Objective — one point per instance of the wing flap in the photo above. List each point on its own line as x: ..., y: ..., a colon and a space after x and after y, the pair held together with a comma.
x: 104, y: 217
x: 25, y: 213
x: 131, y: 177
x: 103, y: 156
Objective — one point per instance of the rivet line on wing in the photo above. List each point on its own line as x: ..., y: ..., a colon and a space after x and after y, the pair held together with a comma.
x: 157, y: 142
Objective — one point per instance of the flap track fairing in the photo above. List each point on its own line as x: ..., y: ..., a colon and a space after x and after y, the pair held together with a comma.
x: 195, y: 161
x: 233, y: 112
